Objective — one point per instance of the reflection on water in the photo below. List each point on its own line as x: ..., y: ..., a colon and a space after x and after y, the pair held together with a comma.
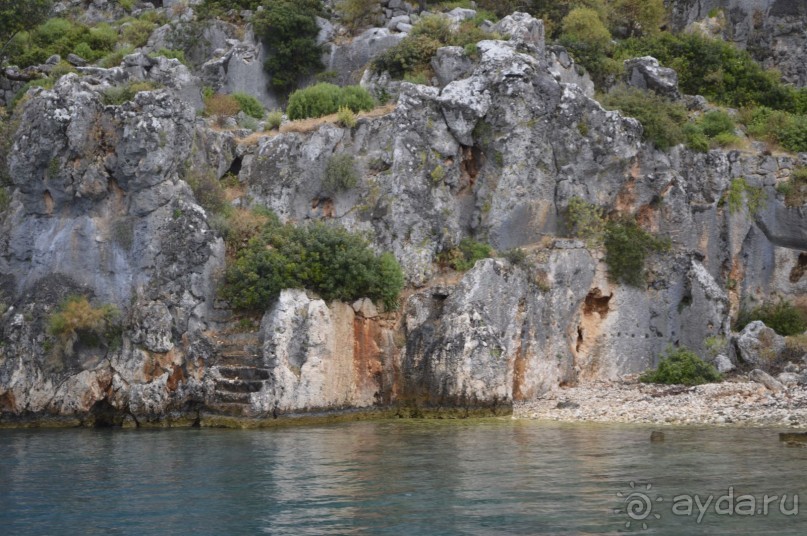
x: 401, y: 477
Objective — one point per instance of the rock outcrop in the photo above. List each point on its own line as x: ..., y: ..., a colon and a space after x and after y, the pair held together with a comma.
x: 772, y: 30
x: 101, y: 208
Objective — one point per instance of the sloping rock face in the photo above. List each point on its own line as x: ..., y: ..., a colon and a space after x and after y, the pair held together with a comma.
x: 772, y: 30
x: 496, y: 154
x: 99, y: 210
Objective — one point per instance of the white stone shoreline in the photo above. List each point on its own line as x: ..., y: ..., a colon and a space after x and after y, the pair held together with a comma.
x: 735, y: 401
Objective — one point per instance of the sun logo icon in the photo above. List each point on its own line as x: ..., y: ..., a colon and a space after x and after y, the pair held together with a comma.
x: 638, y: 506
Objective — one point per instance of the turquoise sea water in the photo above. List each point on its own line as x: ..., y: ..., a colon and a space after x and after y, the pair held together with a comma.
x: 398, y: 478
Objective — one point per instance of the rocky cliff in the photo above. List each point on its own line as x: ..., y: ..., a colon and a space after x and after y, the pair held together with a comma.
x: 101, y: 208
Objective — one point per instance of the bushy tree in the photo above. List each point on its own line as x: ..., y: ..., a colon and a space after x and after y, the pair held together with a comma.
x: 289, y: 30
x: 18, y: 16
x: 629, y: 18
x: 330, y: 261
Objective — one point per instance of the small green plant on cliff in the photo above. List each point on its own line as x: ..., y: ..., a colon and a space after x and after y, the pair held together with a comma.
x: 346, y: 117
x: 713, y: 129
x: 626, y: 247
x: 118, y: 95
x: 585, y: 221
x: 208, y: 191
x: 330, y: 261
x: 274, y: 120
x: 464, y: 256
x: 410, y: 59
x: 249, y: 105
x: 325, y: 99
x: 340, y: 174
x: 741, y: 194
x: 782, y: 317
x: 78, y: 320
x: 662, y: 120
x: 795, y: 188
x: 681, y: 366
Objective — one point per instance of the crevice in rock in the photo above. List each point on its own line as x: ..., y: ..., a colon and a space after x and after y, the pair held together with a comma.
x: 235, y: 167
x: 579, y: 344
x: 105, y: 415
x: 472, y: 161
x: 595, y: 302
x: 798, y: 271
x: 323, y: 207
x: 48, y: 200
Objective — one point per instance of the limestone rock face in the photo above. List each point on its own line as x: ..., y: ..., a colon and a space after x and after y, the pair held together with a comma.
x: 319, y: 356
x: 100, y: 210
x: 772, y: 30
x: 351, y: 59
x: 495, y: 151
x: 494, y: 337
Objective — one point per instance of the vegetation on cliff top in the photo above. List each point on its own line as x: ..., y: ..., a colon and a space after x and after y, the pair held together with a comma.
x: 334, y: 263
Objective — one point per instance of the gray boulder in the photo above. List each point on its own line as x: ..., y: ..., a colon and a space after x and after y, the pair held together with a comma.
x: 645, y: 73
x: 524, y: 30
x: 348, y: 61
x: 723, y: 364
x: 450, y: 64
x: 771, y: 383
x: 759, y: 345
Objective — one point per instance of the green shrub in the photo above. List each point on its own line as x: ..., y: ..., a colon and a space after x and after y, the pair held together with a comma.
x: 626, y: 247
x: 356, y: 98
x: 681, y: 366
x: 118, y: 95
x: 61, y: 36
x: 208, y: 192
x: 741, y: 194
x: 340, y: 174
x: 716, y: 122
x: 585, y: 221
x: 410, y: 59
x: 220, y: 106
x: 274, y: 119
x: 662, y: 119
x: 782, y: 317
x: 249, y: 105
x: 328, y: 260
x: 715, y: 128
x: 435, y: 27
x: 463, y: 257
x: 137, y: 32
x: 629, y: 18
x: 171, y: 54
x: 113, y: 59
x: 412, y: 54
x: 715, y: 69
x: 516, y: 256
x: 325, y: 99
x: 777, y: 127
x: 77, y: 320
x: 583, y: 25
x: 346, y: 117
x: 289, y: 30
